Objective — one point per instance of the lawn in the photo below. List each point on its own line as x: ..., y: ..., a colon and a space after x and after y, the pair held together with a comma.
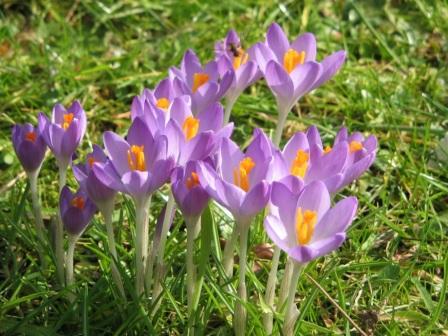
x: 390, y: 276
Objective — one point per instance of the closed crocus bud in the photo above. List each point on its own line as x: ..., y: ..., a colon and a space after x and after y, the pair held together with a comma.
x: 64, y: 132
x: 76, y: 210
x: 29, y: 146
x: 188, y: 192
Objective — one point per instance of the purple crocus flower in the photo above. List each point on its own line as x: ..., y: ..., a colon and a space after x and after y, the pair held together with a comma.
x: 29, y: 146
x: 138, y: 165
x: 239, y: 180
x: 304, y: 158
x: 203, y: 84
x: 86, y: 177
x: 64, y: 132
x: 190, y: 196
x: 76, y: 210
x: 304, y: 226
x: 231, y: 57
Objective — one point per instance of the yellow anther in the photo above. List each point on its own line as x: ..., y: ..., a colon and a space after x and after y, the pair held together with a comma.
x: 136, y: 158
x: 68, y: 118
x: 199, y: 79
x: 78, y: 202
x: 355, y: 146
x: 190, y: 127
x: 192, y: 181
x: 241, y: 173
x: 292, y: 58
x: 300, y: 163
x: 327, y: 149
x: 240, y: 59
x: 163, y: 103
x: 31, y: 136
x: 91, y: 161
x: 305, y: 222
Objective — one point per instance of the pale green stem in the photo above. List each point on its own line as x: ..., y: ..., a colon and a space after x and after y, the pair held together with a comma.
x: 141, y: 241
x: 227, y: 257
x: 159, y: 270
x: 279, y: 128
x: 270, y: 292
x: 228, y: 110
x: 107, y: 211
x: 32, y: 176
x: 291, y: 310
x: 193, y: 227
x: 69, y: 263
x: 59, y: 236
x: 240, y: 313
x: 284, y: 287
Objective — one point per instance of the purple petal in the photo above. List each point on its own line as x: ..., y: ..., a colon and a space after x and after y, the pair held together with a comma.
x: 276, y: 231
x: 306, y: 253
x: 313, y: 136
x: 277, y: 41
x: 331, y: 65
x: 256, y: 199
x: 315, y: 197
x: 262, y: 55
x: 211, y: 118
x: 279, y: 81
x: 306, y: 42
x: 117, y: 148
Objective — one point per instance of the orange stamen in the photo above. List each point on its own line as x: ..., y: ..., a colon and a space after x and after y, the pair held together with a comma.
x: 241, y: 59
x: 327, y: 149
x: 292, y: 59
x: 199, y: 79
x: 192, y: 181
x: 241, y: 174
x: 136, y: 158
x: 305, y: 222
x: 31, y: 136
x: 190, y: 127
x: 78, y: 202
x: 163, y: 103
x: 300, y: 163
x: 355, y: 146
x: 91, y: 161
x: 68, y: 118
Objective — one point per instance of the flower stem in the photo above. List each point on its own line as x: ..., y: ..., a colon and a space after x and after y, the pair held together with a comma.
x: 59, y: 234
x: 240, y: 313
x: 193, y: 286
x: 291, y: 313
x: 141, y: 241
x: 285, y: 283
x: 228, y: 109
x: 270, y: 291
x: 227, y: 257
x: 107, y: 212
x: 157, y: 289
x: 32, y: 176
x: 279, y: 128
x: 69, y: 263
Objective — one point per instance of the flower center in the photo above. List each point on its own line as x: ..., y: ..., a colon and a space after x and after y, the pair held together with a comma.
x: 240, y: 57
x: 78, y: 202
x: 163, y: 103
x: 68, y: 118
x: 327, y: 149
x: 300, y: 163
x: 293, y: 58
x: 355, y: 146
x: 190, y: 127
x: 199, y: 79
x: 31, y: 136
x: 192, y: 181
x: 305, y: 222
x: 241, y: 174
x: 136, y: 158
x: 91, y: 161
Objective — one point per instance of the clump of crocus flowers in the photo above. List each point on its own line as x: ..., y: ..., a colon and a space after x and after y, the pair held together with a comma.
x: 180, y: 136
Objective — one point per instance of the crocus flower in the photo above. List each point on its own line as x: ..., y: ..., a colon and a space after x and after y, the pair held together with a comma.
x: 84, y: 174
x: 305, y: 226
x: 64, y: 132
x: 190, y: 196
x: 76, y: 210
x: 239, y: 182
x: 138, y: 165
x: 203, y: 84
x: 29, y: 146
x: 304, y: 158
x: 231, y: 57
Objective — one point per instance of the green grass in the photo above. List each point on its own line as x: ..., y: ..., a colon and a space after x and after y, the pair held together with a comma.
x: 390, y: 276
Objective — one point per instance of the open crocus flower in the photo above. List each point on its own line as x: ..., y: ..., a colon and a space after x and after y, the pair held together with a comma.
x: 64, y: 132
x: 84, y: 174
x: 76, y: 210
x: 304, y: 225
x: 231, y: 57
x: 362, y: 154
x: 138, y: 165
x: 29, y: 146
x: 190, y: 196
x: 203, y: 84
x: 239, y: 180
x: 304, y: 158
